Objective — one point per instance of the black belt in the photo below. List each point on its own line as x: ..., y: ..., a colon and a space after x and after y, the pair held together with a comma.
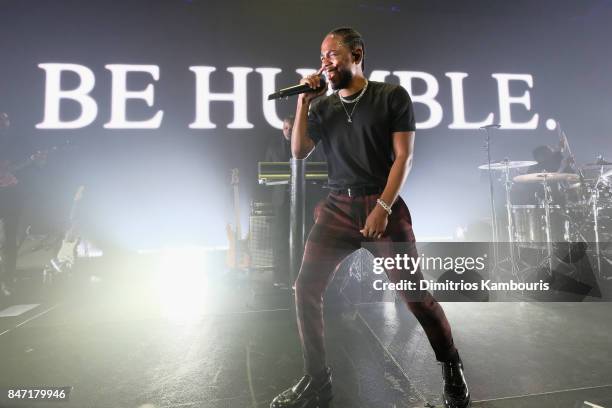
x: 358, y: 191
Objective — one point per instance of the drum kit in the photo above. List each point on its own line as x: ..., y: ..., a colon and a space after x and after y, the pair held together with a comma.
x: 567, y: 208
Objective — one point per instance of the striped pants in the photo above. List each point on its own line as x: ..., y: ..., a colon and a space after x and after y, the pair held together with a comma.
x: 336, y: 235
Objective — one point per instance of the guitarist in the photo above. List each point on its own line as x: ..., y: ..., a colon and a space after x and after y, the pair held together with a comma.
x: 12, y: 199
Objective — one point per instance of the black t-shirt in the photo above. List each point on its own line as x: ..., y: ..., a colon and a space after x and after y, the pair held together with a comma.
x: 361, y: 153
x: 279, y: 150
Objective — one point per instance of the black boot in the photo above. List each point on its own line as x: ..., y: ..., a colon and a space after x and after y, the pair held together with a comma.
x: 308, y: 392
x: 455, y: 392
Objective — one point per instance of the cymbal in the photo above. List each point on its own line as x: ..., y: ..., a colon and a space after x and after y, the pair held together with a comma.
x: 599, y: 163
x: 503, y: 165
x: 540, y: 177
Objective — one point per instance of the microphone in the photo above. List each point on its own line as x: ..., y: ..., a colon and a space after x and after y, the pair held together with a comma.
x: 296, y: 90
x: 493, y: 126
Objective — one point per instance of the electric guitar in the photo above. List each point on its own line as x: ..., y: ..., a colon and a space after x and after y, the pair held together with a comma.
x: 66, y: 256
x: 237, y: 254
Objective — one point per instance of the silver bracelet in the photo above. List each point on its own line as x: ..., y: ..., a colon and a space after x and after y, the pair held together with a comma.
x: 384, y: 205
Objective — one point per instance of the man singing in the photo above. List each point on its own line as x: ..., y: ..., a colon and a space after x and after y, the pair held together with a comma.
x: 367, y: 131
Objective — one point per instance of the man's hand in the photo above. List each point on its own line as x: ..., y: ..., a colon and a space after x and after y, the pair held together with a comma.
x: 376, y: 223
x: 313, y: 81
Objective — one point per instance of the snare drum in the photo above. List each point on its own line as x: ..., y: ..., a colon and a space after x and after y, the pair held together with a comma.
x: 530, y: 224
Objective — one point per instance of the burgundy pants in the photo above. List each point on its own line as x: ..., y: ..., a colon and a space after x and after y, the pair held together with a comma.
x: 336, y: 235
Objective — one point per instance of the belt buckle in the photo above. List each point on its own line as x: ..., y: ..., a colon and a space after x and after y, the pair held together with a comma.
x: 350, y: 192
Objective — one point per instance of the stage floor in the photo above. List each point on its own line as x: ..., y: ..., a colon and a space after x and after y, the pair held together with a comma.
x: 124, y: 339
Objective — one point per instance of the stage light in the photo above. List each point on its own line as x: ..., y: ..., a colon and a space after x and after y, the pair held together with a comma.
x: 182, y: 283
x: 460, y: 232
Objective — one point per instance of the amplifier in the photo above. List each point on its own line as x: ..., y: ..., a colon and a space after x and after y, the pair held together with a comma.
x: 270, y: 173
x: 261, y: 232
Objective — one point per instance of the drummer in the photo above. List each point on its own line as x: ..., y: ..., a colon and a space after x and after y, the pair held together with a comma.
x: 550, y: 160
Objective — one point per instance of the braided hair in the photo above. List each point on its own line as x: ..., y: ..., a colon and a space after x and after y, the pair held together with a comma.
x: 352, y: 39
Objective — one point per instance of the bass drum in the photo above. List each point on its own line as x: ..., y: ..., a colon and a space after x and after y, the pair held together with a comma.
x: 530, y: 225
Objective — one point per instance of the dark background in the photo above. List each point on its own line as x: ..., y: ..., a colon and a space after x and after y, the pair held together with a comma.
x: 170, y: 185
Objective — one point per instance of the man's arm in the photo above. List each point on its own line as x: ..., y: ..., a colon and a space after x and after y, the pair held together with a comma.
x: 301, y: 144
x: 403, y: 147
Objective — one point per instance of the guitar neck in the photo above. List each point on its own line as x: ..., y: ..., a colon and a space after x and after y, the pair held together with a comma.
x: 73, y: 211
x: 75, y: 203
x: 20, y: 166
x: 237, y: 212
x: 32, y: 159
x: 235, y: 182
